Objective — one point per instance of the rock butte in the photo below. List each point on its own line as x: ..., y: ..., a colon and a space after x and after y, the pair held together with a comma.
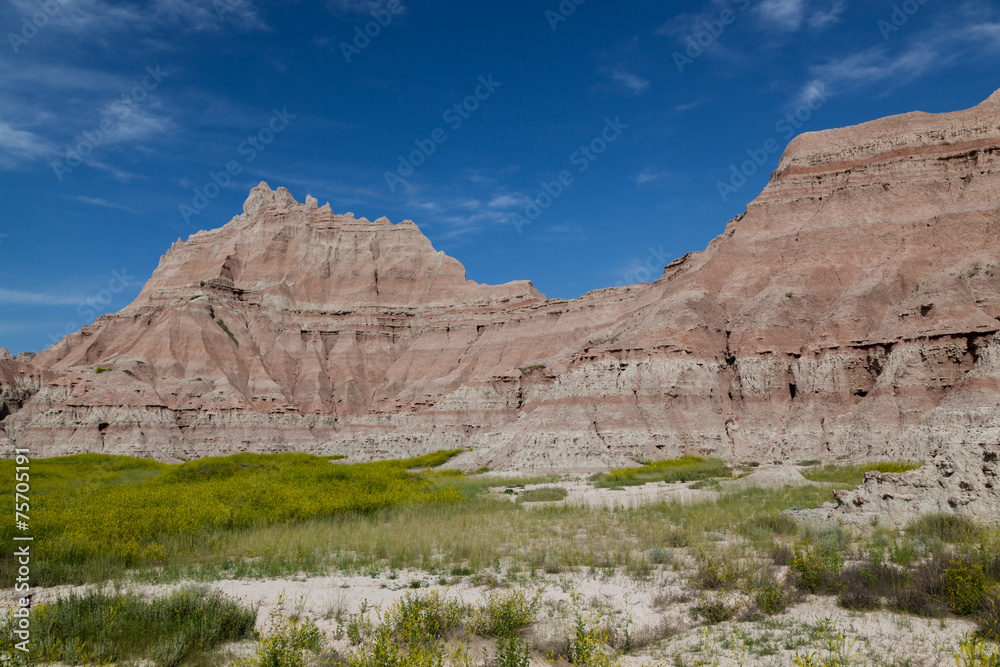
x: 850, y: 313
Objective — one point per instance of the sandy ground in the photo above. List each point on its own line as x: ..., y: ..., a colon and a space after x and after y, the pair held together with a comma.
x: 656, y: 611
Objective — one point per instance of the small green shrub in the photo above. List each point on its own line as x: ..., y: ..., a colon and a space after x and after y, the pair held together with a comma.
x: 716, y: 608
x: 907, y: 551
x: 415, y: 618
x: 590, y: 644
x: 660, y: 556
x: 288, y: 643
x: 965, y: 586
x: 815, y: 571
x: 534, y: 367
x: 102, y: 369
x: 772, y: 597
x: 504, y: 613
x: 988, y: 616
x: 974, y: 652
x: 512, y: 652
x: 714, y: 576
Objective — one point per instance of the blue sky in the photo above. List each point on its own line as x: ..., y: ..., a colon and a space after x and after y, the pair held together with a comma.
x: 619, y: 120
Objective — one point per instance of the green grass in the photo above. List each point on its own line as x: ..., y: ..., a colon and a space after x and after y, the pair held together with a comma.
x: 93, y: 515
x: 528, y: 369
x: 948, y: 528
x: 684, y: 469
x: 223, y: 326
x: 854, y: 474
x: 545, y: 494
x: 104, y: 627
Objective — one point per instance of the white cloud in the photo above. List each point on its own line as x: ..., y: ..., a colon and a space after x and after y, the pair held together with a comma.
x: 38, y: 299
x: 18, y: 146
x: 680, y: 108
x: 821, y: 18
x: 100, y: 202
x: 634, y: 83
x: 785, y: 14
x: 89, y: 18
x: 792, y: 15
x: 926, y: 51
x: 648, y: 176
x: 133, y: 123
x: 508, y: 201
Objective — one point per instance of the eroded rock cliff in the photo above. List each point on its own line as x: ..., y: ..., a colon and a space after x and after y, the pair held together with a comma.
x: 852, y: 312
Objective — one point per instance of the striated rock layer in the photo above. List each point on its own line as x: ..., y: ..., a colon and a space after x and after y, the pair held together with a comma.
x: 851, y: 312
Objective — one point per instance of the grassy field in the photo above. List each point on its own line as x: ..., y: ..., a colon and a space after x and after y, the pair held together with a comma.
x: 684, y: 469
x: 100, y: 518
x: 94, y: 515
x: 853, y: 475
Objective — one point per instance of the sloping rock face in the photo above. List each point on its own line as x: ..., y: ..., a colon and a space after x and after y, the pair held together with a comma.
x: 850, y: 312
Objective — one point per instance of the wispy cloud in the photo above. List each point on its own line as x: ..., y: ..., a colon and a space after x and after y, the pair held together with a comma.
x: 91, y: 18
x: 822, y: 18
x: 792, y: 15
x: 636, y: 84
x: 785, y: 14
x: 927, y: 51
x: 508, y: 201
x: 38, y: 299
x: 688, y: 106
x: 648, y: 176
x: 96, y: 201
x: 18, y: 146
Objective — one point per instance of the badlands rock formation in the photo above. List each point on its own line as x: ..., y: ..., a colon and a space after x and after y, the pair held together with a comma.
x: 851, y: 312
